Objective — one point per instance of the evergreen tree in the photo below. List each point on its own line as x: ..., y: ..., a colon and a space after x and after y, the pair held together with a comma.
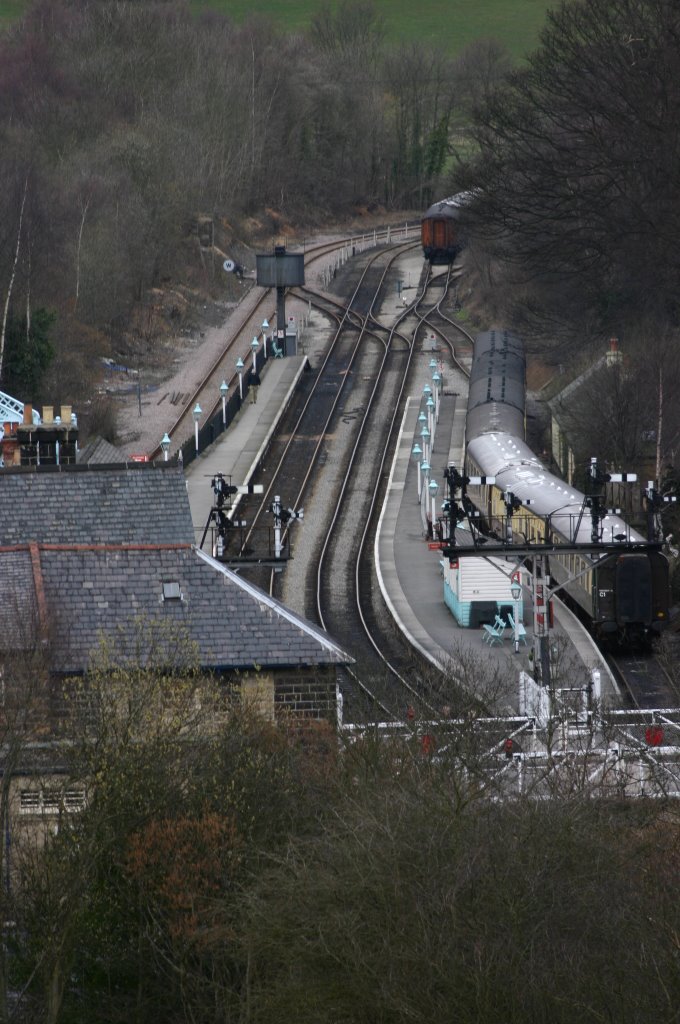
x: 29, y: 353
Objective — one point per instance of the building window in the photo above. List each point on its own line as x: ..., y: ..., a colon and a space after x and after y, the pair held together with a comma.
x: 171, y: 590
x: 51, y: 801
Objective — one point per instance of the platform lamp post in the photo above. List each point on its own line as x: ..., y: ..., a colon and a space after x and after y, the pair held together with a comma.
x: 197, y: 415
x: 433, y: 365
x: 427, y: 393
x: 265, y: 328
x: 239, y: 370
x: 165, y: 446
x: 417, y: 451
x: 425, y: 468
x: 223, y: 391
x: 431, y: 410
x: 433, y: 488
x: 516, y: 591
x: 436, y: 380
x: 425, y: 434
x: 253, y: 348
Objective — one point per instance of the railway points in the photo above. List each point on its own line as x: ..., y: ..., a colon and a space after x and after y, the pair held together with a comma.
x: 409, y: 571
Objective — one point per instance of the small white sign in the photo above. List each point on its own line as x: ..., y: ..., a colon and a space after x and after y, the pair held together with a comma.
x: 229, y: 266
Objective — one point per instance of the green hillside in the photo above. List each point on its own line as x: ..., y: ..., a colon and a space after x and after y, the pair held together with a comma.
x: 10, y: 9
x: 451, y: 23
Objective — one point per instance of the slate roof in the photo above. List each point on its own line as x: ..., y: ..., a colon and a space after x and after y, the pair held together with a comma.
x: 103, y: 591
x: 86, y: 553
x: 101, y: 452
x: 129, y: 503
x: 18, y: 608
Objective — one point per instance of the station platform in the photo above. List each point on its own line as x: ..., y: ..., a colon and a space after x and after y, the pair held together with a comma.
x: 410, y: 573
x: 237, y: 453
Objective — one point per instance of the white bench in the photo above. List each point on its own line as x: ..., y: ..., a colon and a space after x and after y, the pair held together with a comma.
x: 518, y: 629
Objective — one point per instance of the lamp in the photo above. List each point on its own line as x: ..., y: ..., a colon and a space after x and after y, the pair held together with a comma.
x: 239, y: 370
x: 425, y: 434
x: 425, y: 469
x: 265, y: 328
x: 253, y: 347
x: 223, y: 391
x: 417, y: 451
x: 516, y: 591
x: 433, y: 488
x: 430, y: 413
x: 197, y: 415
x: 165, y: 446
x: 436, y: 380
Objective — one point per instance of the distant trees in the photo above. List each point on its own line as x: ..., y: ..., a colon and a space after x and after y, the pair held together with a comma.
x: 421, y: 82
x: 120, y: 122
x: 577, y: 176
x: 413, y: 904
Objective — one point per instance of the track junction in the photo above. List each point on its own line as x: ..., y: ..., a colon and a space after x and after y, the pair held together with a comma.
x: 341, y: 449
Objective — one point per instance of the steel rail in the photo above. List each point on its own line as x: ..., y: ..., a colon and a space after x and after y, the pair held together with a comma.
x: 312, y: 395
x: 217, y: 369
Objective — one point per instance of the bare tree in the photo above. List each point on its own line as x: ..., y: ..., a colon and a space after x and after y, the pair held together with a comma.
x: 10, y: 286
x: 575, y: 174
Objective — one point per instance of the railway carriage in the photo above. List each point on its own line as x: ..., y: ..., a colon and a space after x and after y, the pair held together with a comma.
x: 626, y: 596
x: 442, y: 232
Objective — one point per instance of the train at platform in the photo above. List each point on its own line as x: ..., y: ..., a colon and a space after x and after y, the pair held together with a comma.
x: 624, y: 596
x: 442, y: 229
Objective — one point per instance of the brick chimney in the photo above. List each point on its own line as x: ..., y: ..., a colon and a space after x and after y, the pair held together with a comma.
x: 9, y: 445
x: 50, y: 442
x: 614, y: 357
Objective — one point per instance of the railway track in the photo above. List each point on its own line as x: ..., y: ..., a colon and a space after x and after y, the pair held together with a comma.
x: 646, y: 679
x: 248, y: 325
x: 307, y: 461
x: 334, y: 462
x: 332, y: 455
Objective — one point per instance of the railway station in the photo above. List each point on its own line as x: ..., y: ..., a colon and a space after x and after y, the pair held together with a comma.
x: 629, y: 756
x: 409, y: 567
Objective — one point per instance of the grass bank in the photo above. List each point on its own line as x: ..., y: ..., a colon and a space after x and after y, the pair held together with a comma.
x: 452, y: 24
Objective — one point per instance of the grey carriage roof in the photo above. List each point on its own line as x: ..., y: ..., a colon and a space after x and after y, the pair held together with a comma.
x: 496, y: 397
x: 128, y: 503
x: 495, y: 441
x: 517, y: 469
x: 449, y: 207
x: 83, y: 594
